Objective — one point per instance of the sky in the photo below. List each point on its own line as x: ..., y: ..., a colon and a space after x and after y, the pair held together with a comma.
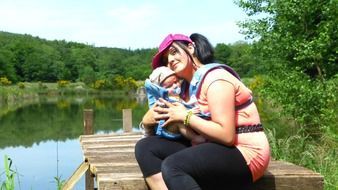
x: 130, y: 24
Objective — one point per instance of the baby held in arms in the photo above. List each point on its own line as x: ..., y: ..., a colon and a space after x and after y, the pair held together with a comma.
x: 163, y: 83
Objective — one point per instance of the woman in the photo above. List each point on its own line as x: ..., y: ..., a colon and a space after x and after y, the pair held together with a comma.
x: 236, y: 152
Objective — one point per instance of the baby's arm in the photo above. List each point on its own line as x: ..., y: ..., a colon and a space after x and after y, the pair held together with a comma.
x: 191, y: 134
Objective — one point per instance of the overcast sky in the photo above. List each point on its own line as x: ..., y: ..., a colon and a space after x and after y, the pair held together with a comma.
x: 121, y: 23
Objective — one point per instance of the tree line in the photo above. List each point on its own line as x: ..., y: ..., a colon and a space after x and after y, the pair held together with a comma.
x: 27, y: 58
x: 24, y: 58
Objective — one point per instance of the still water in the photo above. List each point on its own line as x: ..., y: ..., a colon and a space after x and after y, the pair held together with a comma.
x: 42, y: 138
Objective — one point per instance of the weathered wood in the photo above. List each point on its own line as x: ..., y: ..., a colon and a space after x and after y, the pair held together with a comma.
x: 112, y: 160
x: 76, y: 176
x: 127, y: 120
x: 282, y: 175
x: 129, y: 181
x: 88, y: 117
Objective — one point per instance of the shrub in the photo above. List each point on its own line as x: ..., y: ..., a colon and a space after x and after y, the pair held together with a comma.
x: 42, y: 86
x: 312, y: 103
x: 4, y: 81
x: 63, y: 83
x: 21, y: 85
x: 101, y: 84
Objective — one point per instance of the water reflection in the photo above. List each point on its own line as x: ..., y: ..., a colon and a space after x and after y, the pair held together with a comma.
x: 42, y: 138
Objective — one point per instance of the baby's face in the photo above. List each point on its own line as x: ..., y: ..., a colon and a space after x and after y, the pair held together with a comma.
x: 171, y: 83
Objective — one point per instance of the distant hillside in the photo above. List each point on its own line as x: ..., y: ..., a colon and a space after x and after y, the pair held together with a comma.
x: 28, y: 58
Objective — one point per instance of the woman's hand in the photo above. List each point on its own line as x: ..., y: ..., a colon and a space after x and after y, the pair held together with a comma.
x: 171, y: 112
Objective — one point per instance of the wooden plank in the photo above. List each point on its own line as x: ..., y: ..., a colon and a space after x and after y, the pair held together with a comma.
x: 113, y: 161
x: 76, y: 176
x: 121, y: 181
x: 98, y: 147
x: 107, y: 144
x: 118, y: 169
x: 109, y: 167
x: 88, y: 116
x: 292, y: 182
x: 109, y: 149
x: 126, y: 156
x: 108, y: 139
x: 127, y: 120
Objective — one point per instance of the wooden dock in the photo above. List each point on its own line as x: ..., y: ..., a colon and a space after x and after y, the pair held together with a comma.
x: 111, y: 162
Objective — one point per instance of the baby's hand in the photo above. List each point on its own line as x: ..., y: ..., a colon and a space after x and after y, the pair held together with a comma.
x: 198, y: 139
x: 196, y: 110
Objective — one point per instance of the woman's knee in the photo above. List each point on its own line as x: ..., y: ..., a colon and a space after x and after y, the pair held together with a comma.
x: 140, y: 147
x: 169, y: 167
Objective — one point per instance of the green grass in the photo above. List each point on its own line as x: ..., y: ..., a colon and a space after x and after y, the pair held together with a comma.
x: 317, y: 155
x: 10, y: 174
x: 293, y: 144
x: 59, y: 182
x: 8, y: 184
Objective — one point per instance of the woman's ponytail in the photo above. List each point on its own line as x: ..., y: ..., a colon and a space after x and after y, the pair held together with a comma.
x: 203, y: 48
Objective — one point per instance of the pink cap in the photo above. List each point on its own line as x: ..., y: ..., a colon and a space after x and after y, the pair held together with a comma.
x: 165, y: 44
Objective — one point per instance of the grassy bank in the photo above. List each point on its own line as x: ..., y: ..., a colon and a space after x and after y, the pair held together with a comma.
x: 13, y: 97
x: 293, y: 143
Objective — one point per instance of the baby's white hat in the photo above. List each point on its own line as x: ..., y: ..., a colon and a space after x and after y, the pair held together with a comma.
x: 160, y: 74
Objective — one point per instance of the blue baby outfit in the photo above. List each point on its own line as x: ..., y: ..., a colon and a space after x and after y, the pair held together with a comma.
x: 154, y: 92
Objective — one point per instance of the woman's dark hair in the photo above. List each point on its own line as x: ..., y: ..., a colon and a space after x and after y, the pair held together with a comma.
x: 203, y: 49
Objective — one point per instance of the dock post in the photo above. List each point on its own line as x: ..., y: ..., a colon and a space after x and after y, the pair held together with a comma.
x: 88, y: 117
x: 127, y: 120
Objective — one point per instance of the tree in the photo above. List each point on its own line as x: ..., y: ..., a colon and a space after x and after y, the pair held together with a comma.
x: 301, y: 33
x: 242, y: 59
x: 6, y: 65
x: 297, y: 43
x: 222, y: 52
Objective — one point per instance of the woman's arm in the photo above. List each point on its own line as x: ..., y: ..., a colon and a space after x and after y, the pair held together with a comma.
x: 148, y: 118
x: 149, y: 122
x: 221, y: 102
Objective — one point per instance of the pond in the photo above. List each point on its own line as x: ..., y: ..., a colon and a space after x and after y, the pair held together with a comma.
x: 42, y: 139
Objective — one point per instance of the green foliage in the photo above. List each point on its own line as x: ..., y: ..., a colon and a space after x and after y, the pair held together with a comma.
x: 8, y: 184
x: 302, y: 150
x: 59, y: 182
x: 222, y: 52
x: 21, y: 85
x: 6, y: 68
x: 63, y: 83
x: 240, y: 56
x: 27, y: 58
x: 302, y: 33
x: 42, y: 86
x: 313, y: 104
x: 120, y: 82
x: 4, y: 81
x: 243, y: 60
x: 101, y: 84
x: 295, y: 47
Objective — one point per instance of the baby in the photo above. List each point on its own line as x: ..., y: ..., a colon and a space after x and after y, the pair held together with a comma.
x: 163, y: 83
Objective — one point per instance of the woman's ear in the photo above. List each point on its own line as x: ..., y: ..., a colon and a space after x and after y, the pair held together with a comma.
x: 191, y: 49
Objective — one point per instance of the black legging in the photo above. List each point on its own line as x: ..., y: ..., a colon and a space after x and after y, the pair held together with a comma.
x: 205, y: 166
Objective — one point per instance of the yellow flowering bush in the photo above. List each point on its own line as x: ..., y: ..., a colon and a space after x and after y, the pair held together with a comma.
x: 63, y: 83
x: 4, y: 81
